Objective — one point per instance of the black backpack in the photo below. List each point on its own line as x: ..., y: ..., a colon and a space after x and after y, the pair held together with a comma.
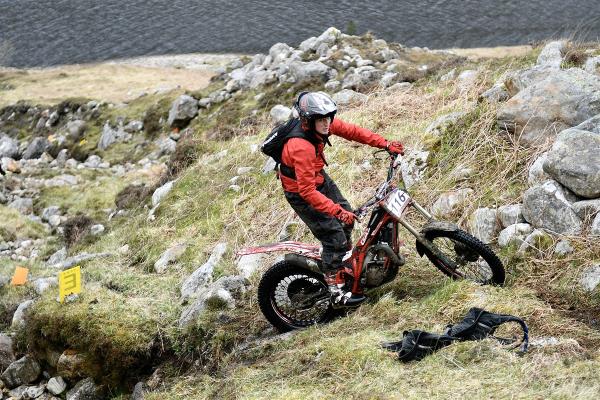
x: 416, y: 345
x: 273, y: 144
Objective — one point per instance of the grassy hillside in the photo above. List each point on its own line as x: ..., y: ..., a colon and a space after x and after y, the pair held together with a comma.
x: 127, y: 316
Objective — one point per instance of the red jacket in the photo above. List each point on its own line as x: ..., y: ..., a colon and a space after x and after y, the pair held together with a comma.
x: 300, y: 155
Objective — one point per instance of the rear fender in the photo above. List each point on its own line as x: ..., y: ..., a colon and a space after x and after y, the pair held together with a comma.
x: 303, y: 255
x: 435, y: 226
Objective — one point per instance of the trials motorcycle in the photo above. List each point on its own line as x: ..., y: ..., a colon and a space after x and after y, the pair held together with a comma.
x: 292, y: 293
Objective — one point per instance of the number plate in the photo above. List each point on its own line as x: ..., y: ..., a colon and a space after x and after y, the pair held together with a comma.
x: 396, y: 202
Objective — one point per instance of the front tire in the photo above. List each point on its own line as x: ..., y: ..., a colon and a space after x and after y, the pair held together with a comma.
x: 291, y: 297
x: 476, y: 261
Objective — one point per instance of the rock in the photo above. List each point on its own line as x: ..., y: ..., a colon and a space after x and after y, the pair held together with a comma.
x: 332, y: 85
x: 110, y: 136
x: 514, y: 234
x: 413, y: 166
x: 33, y: 392
x: 21, y: 372
x: 279, y: 52
x: 536, y: 173
x: 244, y: 170
x: 169, y: 256
x: 591, y: 65
x: 448, y: 202
x: 92, y: 161
x: 8, y: 147
x: 302, y: 71
x: 139, y: 391
x: 269, y: 166
x: 400, y: 86
x: 563, y: 99
x: 204, y: 102
x: 40, y: 285
x: 510, y: 215
x: 183, y: 109
x: 595, y: 228
x: 308, y: 44
x: 329, y: 37
x: 551, y: 55
x: 57, y: 257
x: 586, y: 209
x: 484, y: 225
x: 545, y: 206
x: 516, y: 81
x: 563, y: 248
x: 203, y: 275
x: 53, y: 119
x: 7, y: 355
x: 590, y: 278
x: 84, y: 390
x: 448, y: 76
x: 466, y: 79
x: 280, y: 113
x: 538, y: 240
x: 74, y: 365
x: 161, y: 192
x: 590, y: 125
x: 18, y: 319
x: 24, y: 206
x: 36, y: 148
x: 56, y: 385
x: 75, y: 129
x: 134, y: 126
x: 97, y: 229
x: 356, y: 78
x: 50, y: 211
x: 574, y: 161
x: 388, y: 78
x: 10, y: 165
x: 78, y: 259
x: 347, y: 96
x: 442, y: 123
x: 495, y: 94
x: 166, y: 145
x: 249, y: 263
x: 287, y: 231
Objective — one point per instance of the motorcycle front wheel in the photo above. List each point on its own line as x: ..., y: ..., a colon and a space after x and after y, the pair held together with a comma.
x: 291, y: 297
x: 475, y: 261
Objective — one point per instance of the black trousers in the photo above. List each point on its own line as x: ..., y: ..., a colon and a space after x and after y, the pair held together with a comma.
x: 335, y: 237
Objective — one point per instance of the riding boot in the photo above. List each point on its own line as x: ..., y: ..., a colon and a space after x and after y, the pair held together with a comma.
x: 340, y: 296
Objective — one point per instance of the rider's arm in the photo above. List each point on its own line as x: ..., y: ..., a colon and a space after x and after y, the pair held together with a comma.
x: 303, y: 159
x: 356, y: 133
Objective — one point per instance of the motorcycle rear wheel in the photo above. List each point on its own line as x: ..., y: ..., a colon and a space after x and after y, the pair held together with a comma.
x: 291, y: 297
x: 476, y: 261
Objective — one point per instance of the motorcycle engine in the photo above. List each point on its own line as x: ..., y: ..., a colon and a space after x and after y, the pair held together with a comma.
x: 377, y: 270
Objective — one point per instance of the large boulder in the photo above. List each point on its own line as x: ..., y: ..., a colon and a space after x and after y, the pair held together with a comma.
x: 551, y: 54
x: 563, y: 99
x: 111, y: 135
x: 75, y: 129
x: 546, y: 206
x: 448, y: 202
x: 84, y: 390
x: 587, y: 209
x: 203, y: 275
x: 514, y: 234
x: 574, y: 161
x: 510, y: 214
x: 484, y: 225
x: 23, y: 371
x: 303, y: 71
x: 23, y: 205
x: 183, y: 109
x: 36, y: 148
x: 8, y: 147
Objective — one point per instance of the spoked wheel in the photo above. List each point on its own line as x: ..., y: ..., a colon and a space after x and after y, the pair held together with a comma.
x: 475, y: 260
x: 291, y: 297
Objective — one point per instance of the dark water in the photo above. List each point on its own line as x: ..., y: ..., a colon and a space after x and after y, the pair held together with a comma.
x: 49, y: 32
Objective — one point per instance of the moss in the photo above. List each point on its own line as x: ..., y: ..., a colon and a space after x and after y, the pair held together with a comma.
x: 16, y: 226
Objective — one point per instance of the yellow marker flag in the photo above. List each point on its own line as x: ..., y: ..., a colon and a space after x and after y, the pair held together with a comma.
x: 20, y: 276
x: 69, y: 282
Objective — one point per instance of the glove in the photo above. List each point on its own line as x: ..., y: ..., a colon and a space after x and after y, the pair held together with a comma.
x: 395, y: 147
x: 346, y: 217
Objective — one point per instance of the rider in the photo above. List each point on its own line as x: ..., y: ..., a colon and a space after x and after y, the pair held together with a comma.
x: 312, y: 193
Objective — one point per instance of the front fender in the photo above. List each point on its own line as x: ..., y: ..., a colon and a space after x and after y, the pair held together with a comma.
x: 435, y: 226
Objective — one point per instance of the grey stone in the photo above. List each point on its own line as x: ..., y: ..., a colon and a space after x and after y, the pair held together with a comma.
x: 590, y: 125
x: 33, y: 392
x: 21, y: 372
x: 347, y: 96
x: 269, y: 166
x: 590, y: 278
x: 78, y: 259
x: 58, y: 256
x: 563, y: 99
x: 308, y: 44
x: 56, y: 385
x: 166, y: 145
x: 53, y: 119
x: 388, y: 79
x: 591, y: 65
x: 574, y: 161
x: 545, y: 206
x: 536, y: 240
x: 466, y: 79
x: 484, y: 225
x: 495, y: 94
x: 280, y: 113
x: 97, y: 229
x: 355, y: 78
x: 203, y: 275
x: 519, y: 80
x: 595, y: 228
x: 586, y: 209
x: 92, y: 161
x: 551, y: 54
x: 287, y: 231
x: 400, y: 86
x: 50, y: 211
x: 84, y: 390
x: 8, y: 147
x: 18, y: 319
x: 161, y: 192
x: 40, y: 285
x: 75, y: 129
x: 36, y: 148
x: 134, y: 126
x: 442, y: 123
x: 169, y: 256
x: 112, y: 135
x: 413, y: 166
x: 303, y: 71
x: 18, y: 393
x: 248, y: 264
x: 510, y: 214
x: 139, y: 391
x: 24, y: 206
x: 7, y: 354
x: 279, y: 52
x: 563, y: 248
x: 448, y: 76
x: 183, y: 109
x: 536, y: 174
x: 514, y: 234
x: 448, y: 202
x: 235, y: 188
x: 332, y: 85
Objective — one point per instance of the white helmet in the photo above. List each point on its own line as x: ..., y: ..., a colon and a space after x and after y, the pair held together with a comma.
x: 313, y: 105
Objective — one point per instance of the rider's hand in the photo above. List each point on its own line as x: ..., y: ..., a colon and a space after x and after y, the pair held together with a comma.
x: 346, y: 217
x: 395, y: 147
